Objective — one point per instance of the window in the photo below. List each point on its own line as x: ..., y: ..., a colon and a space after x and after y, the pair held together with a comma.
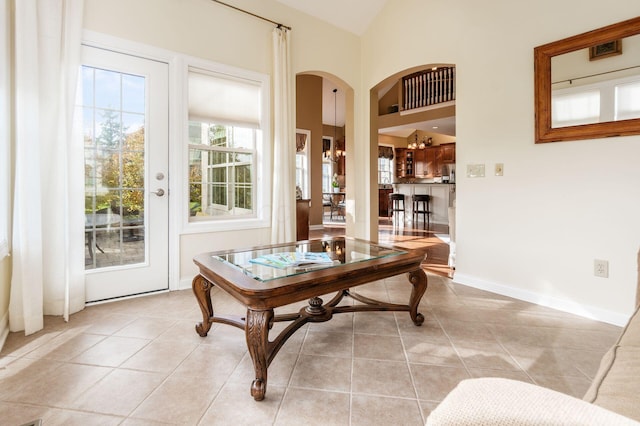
x: 628, y: 100
x: 384, y: 170
x: 385, y: 164
x: 221, y: 170
x: 227, y: 147
x: 303, y: 138
x: 327, y: 164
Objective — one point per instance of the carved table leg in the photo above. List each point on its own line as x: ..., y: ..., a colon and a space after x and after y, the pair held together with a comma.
x: 419, y: 280
x: 202, y: 290
x: 257, y: 333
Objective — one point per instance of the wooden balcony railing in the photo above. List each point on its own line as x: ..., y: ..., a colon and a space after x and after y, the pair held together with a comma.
x: 428, y: 87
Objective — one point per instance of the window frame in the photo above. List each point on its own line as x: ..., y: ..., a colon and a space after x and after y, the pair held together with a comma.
x: 389, y: 171
x: 304, y: 170
x: 262, y: 187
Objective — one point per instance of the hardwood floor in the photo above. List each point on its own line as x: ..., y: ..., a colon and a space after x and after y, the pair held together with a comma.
x: 425, y: 240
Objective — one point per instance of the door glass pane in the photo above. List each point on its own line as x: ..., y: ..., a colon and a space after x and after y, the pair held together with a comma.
x: 114, y: 141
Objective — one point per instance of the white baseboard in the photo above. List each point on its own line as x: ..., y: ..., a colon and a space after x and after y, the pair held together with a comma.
x: 563, y: 305
x: 4, y: 329
x: 185, y: 283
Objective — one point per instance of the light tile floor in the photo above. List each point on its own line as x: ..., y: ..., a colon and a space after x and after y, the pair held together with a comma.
x: 140, y: 362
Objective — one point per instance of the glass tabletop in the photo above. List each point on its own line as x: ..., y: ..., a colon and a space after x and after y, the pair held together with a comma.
x: 301, y: 257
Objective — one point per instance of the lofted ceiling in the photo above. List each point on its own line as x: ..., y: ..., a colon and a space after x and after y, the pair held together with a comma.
x: 355, y: 16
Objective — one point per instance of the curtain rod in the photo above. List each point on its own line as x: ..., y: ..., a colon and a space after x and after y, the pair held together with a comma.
x: 570, y: 80
x: 253, y: 14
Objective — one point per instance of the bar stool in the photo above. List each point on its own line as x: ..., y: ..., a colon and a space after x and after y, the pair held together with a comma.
x: 396, y: 204
x: 421, y: 207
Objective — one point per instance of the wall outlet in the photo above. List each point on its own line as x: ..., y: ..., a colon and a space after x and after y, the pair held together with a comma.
x: 499, y: 169
x: 601, y: 268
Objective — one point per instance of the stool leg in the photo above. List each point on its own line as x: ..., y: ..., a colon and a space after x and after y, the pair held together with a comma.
x: 428, y: 218
x: 425, y: 215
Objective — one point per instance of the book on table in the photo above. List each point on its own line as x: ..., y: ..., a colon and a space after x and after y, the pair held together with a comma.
x: 293, y: 259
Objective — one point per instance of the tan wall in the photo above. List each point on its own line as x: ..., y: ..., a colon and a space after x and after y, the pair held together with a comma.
x: 389, y: 99
x: 397, y: 142
x: 309, y: 117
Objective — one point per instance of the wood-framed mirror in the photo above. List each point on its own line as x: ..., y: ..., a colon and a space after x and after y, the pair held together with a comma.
x: 579, y: 67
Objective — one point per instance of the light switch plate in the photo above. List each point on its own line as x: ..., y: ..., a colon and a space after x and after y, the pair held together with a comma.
x: 499, y: 169
x: 475, y: 170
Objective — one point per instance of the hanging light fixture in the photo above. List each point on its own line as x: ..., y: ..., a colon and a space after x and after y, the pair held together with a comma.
x: 414, y: 144
x: 331, y: 152
x: 335, y: 122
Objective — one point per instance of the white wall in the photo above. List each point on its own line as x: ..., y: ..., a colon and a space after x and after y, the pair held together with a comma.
x: 211, y: 31
x: 534, y: 232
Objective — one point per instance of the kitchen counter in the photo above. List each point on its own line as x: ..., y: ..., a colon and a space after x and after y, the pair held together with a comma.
x: 408, y: 182
x: 442, y: 197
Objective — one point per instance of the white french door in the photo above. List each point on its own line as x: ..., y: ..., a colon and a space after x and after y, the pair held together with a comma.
x: 124, y: 102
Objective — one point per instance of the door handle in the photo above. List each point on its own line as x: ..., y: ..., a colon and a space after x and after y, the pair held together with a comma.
x: 159, y: 192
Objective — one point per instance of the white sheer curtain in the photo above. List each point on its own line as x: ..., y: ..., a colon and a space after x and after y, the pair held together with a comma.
x: 48, y: 238
x: 283, y: 217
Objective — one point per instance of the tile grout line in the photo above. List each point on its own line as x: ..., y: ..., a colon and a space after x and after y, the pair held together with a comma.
x: 353, y: 362
x: 295, y: 365
x: 406, y: 356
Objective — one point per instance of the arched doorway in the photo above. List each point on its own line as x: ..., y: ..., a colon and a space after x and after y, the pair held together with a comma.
x: 412, y: 113
x: 324, y: 109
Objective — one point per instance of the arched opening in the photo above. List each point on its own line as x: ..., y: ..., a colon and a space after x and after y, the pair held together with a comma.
x: 412, y: 141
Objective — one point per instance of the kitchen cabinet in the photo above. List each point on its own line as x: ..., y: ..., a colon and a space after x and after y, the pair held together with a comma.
x: 409, y: 163
x: 430, y: 161
x: 424, y: 163
x: 383, y: 201
x: 404, y: 163
x: 437, y: 167
x: 302, y: 220
x: 448, y: 153
x: 419, y: 157
x: 433, y: 162
x: 400, y: 158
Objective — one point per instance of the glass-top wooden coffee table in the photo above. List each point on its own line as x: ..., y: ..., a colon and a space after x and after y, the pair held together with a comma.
x: 262, y: 288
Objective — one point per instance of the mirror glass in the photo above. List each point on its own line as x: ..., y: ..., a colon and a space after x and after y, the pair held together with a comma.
x: 588, y: 86
x: 596, y: 84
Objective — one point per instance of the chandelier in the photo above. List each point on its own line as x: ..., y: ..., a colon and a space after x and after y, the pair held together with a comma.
x: 425, y: 142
